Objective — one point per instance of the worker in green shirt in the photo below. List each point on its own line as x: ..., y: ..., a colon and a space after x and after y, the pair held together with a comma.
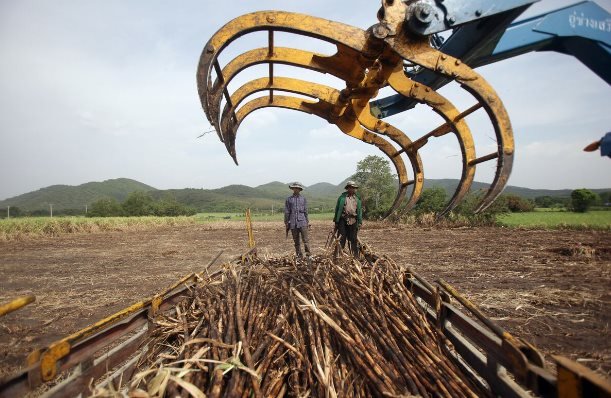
x: 349, y: 217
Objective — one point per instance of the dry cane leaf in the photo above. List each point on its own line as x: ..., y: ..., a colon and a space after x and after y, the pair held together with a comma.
x: 194, y: 391
x: 159, y: 382
x: 138, y: 393
x: 141, y: 376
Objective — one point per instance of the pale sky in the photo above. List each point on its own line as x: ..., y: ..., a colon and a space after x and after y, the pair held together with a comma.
x: 94, y: 90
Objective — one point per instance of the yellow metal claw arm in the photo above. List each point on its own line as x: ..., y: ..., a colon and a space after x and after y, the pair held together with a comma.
x: 340, y: 65
x: 347, y: 120
x: 367, y: 120
x: 428, y: 57
x: 454, y: 123
x: 333, y: 32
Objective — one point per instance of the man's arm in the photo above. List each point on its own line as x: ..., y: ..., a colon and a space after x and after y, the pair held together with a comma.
x: 305, y: 206
x: 287, y: 210
x: 336, y: 208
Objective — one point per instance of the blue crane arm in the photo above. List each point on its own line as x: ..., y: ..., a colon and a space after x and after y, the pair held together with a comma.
x: 582, y: 30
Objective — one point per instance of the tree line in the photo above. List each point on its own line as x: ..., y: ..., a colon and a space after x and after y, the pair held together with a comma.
x: 140, y: 203
x: 378, y: 185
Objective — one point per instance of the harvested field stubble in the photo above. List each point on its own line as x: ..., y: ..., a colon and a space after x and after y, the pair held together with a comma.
x: 24, y: 228
x: 274, y: 327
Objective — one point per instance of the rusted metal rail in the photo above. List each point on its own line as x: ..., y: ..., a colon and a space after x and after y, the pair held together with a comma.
x: 510, y: 367
x: 479, y: 350
x: 93, y: 351
x: 16, y: 304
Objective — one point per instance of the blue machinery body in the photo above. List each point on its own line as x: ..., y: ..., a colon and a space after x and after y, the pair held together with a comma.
x: 483, y: 33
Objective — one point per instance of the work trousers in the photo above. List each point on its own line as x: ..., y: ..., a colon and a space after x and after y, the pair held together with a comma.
x: 349, y: 233
x: 303, y: 231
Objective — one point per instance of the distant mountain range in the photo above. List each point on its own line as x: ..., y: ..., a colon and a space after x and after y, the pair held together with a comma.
x: 75, y: 197
x: 225, y: 199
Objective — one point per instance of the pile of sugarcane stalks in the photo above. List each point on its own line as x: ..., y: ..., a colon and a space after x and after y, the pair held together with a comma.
x: 280, y: 327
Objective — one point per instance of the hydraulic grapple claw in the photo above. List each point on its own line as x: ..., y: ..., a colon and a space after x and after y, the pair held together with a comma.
x: 366, y: 60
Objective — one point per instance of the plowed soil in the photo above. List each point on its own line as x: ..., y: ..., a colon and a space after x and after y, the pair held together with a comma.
x: 552, y: 288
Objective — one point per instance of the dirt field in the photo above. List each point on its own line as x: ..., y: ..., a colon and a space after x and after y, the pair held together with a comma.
x: 552, y: 288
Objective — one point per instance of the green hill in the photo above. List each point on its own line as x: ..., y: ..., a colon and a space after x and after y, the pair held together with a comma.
x: 238, y: 197
x: 75, y: 197
x: 231, y: 198
x: 275, y: 188
x: 227, y: 199
x: 325, y: 189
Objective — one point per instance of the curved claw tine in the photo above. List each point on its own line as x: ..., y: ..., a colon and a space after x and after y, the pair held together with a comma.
x: 333, y: 32
x: 422, y: 54
x: 320, y: 109
x: 230, y: 128
x: 229, y: 125
x: 226, y: 126
x: 323, y: 110
x: 454, y: 123
x: 372, y: 123
x: 498, y: 184
x: 353, y: 128
x: 397, y: 162
x: 336, y: 65
x: 296, y: 86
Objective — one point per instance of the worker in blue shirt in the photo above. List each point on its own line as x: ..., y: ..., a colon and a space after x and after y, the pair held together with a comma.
x: 604, y: 144
x: 296, y: 218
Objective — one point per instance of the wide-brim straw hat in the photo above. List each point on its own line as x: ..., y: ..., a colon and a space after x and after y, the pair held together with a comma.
x: 351, y: 184
x: 296, y: 185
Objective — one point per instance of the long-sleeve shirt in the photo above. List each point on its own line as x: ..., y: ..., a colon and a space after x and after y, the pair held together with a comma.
x: 296, y: 212
x: 341, y: 204
x: 350, y: 209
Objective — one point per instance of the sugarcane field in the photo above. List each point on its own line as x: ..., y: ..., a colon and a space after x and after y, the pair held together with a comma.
x: 303, y: 322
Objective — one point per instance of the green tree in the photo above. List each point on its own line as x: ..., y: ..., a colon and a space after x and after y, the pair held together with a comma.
x: 605, y: 197
x: 169, y: 206
x: 432, y: 200
x: 376, y: 185
x: 544, y: 201
x: 138, y: 203
x: 107, y: 207
x: 13, y: 212
x: 551, y: 201
x: 517, y: 204
x: 465, y: 211
x: 582, y: 199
